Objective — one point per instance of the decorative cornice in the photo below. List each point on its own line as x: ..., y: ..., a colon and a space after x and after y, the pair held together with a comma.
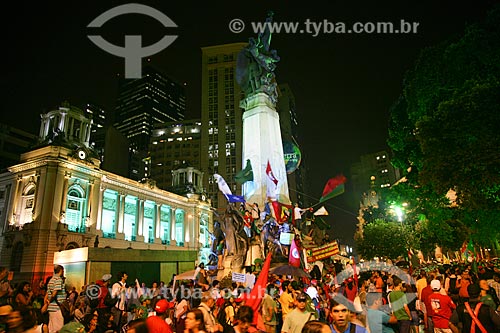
x: 144, y: 192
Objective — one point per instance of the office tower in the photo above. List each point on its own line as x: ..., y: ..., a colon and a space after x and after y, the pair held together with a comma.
x: 373, y: 171
x: 221, y: 117
x: 175, y: 145
x: 97, y: 135
x: 290, y: 134
x: 143, y: 103
x: 13, y: 142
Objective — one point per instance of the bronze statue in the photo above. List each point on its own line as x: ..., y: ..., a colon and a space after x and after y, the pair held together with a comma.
x: 256, y: 64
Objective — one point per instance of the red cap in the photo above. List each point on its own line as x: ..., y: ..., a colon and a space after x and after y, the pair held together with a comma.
x: 163, y: 305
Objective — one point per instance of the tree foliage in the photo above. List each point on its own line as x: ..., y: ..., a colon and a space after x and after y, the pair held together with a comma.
x: 444, y: 131
x: 383, y: 239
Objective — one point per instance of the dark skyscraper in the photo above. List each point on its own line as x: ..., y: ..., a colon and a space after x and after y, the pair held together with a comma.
x: 143, y: 103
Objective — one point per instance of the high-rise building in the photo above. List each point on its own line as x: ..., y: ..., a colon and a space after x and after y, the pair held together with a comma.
x: 373, y: 170
x: 221, y: 117
x: 97, y: 130
x: 174, y: 145
x: 13, y: 142
x: 142, y: 103
x: 290, y: 134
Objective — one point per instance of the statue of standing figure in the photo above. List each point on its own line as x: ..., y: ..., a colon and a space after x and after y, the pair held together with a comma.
x: 256, y: 64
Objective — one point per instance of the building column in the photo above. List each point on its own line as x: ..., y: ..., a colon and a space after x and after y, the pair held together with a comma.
x: 140, y: 221
x: 172, y: 226
x: 35, y: 196
x: 120, y: 213
x: 158, y: 220
x: 89, y: 132
x: 15, y: 215
x: 67, y: 176
x: 89, y: 202
x: 98, y: 225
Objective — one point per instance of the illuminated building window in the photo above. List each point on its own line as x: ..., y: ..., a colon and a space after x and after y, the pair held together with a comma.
x: 179, y: 227
x: 27, y: 204
x: 165, y: 225
x: 74, y: 209
x: 129, y: 218
x: 148, y: 222
x: 109, y: 211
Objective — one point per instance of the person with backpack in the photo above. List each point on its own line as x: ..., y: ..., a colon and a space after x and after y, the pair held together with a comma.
x: 473, y: 316
x: 225, y: 317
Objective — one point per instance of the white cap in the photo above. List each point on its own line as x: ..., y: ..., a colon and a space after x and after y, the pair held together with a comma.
x: 435, y: 285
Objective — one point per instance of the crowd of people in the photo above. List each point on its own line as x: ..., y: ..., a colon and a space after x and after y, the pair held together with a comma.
x: 452, y: 298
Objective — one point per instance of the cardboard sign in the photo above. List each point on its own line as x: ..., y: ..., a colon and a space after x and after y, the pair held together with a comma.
x: 286, y: 238
x: 239, y: 277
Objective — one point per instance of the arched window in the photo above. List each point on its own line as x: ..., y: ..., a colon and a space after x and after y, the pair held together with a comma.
x: 27, y: 202
x: 75, y: 208
x: 17, y: 257
x: 71, y: 246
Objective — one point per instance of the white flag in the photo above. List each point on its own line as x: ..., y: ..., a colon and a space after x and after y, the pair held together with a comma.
x: 221, y: 182
x: 321, y: 211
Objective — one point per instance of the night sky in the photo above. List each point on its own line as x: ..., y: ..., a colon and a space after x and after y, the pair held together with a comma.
x: 344, y: 84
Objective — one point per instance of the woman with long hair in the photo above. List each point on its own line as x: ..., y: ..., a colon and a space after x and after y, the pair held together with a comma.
x: 23, y: 296
x: 194, y: 322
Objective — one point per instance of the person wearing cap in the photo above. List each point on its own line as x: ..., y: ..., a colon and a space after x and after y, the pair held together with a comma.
x: 486, y: 316
x: 104, y: 294
x: 56, y: 293
x: 295, y: 320
x: 441, y: 308
x: 157, y: 323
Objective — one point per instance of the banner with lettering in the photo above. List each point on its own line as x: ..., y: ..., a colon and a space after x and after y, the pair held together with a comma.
x: 322, y: 252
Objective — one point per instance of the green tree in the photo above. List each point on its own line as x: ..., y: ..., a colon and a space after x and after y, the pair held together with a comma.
x: 383, y: 239
x: 444, y: 132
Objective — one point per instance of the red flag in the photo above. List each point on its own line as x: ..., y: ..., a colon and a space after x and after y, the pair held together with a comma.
x: 270, y: 174
x: 283, y: 212
x: 333, y: 183
x: 354, y: 274
x: 257, y: 294
x: 294, y: 257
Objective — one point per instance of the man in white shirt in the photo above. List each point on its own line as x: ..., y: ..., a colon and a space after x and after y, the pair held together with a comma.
x: 119, y: 291
x: 297, y: 215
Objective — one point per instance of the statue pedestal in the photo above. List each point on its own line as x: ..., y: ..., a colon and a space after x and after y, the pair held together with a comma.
x: 262, y: 143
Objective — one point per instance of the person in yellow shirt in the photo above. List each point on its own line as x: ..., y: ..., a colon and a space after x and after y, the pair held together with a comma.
x: 286, y: 299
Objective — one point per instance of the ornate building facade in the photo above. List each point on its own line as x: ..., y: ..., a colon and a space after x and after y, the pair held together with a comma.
x: 58, y: 206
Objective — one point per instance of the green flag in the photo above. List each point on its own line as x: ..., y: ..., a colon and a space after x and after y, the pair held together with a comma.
x: 245, y: 174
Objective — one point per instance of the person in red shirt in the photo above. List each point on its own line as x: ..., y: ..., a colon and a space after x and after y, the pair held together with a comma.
x: 157, y: 323
x: 441, y: 307
x: 424, y: 298
x: 351, y: 289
